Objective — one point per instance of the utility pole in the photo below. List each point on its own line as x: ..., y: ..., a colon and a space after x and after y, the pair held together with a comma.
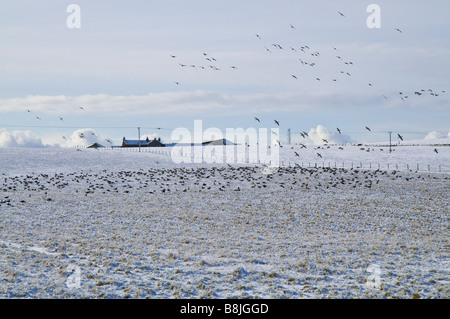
x: 390, y: 143
x: 139, y: 138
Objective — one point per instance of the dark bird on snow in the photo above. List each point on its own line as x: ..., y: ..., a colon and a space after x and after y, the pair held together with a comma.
x: 435, y: 150
x: 318, y: 154
x: 296, y: 154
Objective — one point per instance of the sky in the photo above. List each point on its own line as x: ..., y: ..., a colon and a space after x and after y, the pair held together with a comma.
x: 161, y: 65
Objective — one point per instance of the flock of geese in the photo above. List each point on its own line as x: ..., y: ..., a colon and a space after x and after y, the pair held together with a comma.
x: 325, y: 141
x: 305, y: 51
x: 24, y: 189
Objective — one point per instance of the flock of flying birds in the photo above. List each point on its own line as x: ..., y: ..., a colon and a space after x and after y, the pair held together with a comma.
x: 306, y: 51
x: 80, y: 135
x: 305, y: 134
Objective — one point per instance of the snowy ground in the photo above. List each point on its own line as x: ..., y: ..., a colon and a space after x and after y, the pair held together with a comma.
x: 122, y: 224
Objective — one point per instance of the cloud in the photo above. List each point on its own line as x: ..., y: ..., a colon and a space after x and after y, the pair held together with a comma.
x: 435, y: 134
x: 321, y: 133
x: 19, y: 139
x: 85, y: 137
x: 177, y: 102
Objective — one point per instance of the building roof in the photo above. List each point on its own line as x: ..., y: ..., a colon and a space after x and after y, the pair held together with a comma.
x: 142, y: 143
x: 95, y: 145
x: 221, y: 141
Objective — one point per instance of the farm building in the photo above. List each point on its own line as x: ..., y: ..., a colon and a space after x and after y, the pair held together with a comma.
x: 221, y: 141
x: 142, y: 143
x: 95, y: 145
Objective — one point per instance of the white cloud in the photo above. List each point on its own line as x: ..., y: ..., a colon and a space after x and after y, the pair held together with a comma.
x: 85, y: 137
x: 19, y: 139
x: 321, y: 133
x: 434, y: 134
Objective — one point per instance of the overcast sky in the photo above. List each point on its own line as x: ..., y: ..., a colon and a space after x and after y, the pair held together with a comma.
x: 300, y: 62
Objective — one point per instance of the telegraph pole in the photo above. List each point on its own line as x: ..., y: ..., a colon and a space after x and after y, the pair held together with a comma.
x: 390, y: 143
x: 139, y: 138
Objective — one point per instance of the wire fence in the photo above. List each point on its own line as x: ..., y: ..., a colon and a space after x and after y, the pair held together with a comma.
x: 183, y: 156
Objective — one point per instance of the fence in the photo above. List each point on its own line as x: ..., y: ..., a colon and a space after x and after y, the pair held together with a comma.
x: 190, y: 157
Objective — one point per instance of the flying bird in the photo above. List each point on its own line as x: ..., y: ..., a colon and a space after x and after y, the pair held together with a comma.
x: 397, y: 29
x: 338, y: 130
x: 367, y: 128
x: 276, y: 122
x: 257, y: 35
x: 296, y: 154
x: 400, y: 137
x: 294, y: 76
x: 81, y: 108
x: 61, y: 119
x: 341, y: 14
x: 257, y: 119
x: 318, y: 154
x: 325, y: 141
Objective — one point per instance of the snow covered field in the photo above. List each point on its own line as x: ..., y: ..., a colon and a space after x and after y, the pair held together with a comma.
x: 122, y: 224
